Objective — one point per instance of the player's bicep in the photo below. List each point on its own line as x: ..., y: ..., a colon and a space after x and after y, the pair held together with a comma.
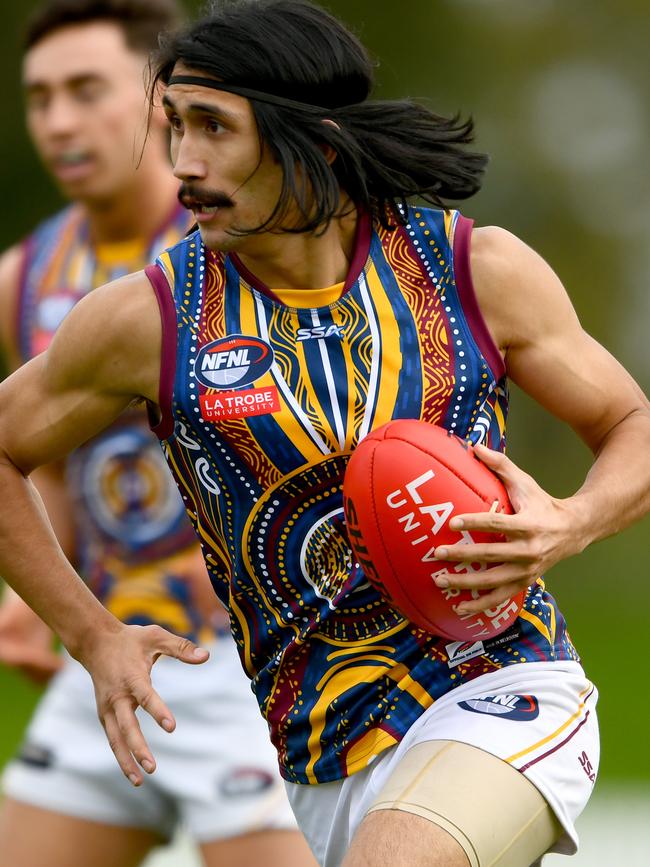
x: 547, y: 352
x: 578, y: 381
x: 105, y: 354
x: 41, y: 420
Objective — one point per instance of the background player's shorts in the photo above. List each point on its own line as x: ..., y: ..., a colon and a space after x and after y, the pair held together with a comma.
x: 539, y: 717
x: 216, y: 773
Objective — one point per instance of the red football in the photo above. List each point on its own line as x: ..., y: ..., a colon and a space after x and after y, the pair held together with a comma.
x: 403, y: 483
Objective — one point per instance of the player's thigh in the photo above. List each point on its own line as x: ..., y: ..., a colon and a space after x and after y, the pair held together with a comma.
x: 33, y: 837
x: 403, y: 840
x: 275, y: 848
x: 472, y: 808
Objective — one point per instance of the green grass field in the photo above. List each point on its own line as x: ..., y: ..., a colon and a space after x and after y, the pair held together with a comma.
x: 17, y: 698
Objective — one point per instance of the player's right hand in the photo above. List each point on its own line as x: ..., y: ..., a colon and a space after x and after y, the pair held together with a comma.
x: 25, y: 641
x: 120, y: 664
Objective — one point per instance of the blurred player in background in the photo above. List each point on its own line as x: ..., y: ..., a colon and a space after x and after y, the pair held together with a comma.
x: 313, y: 305
x: 115, y: 509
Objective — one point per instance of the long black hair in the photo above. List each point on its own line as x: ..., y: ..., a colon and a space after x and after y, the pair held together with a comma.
x: 386, y: 151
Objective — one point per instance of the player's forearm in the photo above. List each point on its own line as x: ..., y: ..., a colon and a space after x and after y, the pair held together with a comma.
x: 32, y: 562
x: 616, y: 491
x: 49, y: 481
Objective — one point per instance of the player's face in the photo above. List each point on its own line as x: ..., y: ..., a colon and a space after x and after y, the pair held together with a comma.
x: 86, y: 108
x: 230, y: 181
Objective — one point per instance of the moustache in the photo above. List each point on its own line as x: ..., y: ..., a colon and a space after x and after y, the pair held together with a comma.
x: 191, y: 197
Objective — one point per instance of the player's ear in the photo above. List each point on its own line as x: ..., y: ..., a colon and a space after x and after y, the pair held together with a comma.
x: 328, y: 150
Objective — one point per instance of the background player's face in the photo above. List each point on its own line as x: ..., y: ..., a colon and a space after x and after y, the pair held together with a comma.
x: 86, y: 108
x: 217, y: 154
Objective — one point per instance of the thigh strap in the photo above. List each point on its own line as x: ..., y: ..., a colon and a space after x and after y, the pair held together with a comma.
x: 497, y: 815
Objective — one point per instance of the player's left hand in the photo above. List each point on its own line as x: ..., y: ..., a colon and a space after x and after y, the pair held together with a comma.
x: 538, y: 535
x: 120, y: 664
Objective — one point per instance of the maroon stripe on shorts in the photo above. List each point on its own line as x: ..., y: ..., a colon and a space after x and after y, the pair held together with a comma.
x: 467, y: 295
x: 566, y: 740
x: 164, y: 427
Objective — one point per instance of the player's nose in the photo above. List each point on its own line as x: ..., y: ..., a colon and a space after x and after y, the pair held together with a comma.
x: 61, y: 118
x: 189, y: 164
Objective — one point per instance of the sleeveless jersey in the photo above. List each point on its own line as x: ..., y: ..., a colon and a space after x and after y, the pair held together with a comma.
x: 135, y: 544
x: 262, y: 404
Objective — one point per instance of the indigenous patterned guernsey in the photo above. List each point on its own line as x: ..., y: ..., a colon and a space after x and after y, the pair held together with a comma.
x: 262, y: 403
x: 135, y: 541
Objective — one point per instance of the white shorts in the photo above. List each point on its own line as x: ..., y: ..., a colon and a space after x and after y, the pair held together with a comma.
x: 217, y: 773
x: 539, y: 717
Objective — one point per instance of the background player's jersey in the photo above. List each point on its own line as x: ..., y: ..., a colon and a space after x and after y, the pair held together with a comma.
x: 262, y: 404
x: 135, y: 544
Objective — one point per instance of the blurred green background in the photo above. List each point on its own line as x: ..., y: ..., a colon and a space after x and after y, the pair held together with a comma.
x: 560, y: 93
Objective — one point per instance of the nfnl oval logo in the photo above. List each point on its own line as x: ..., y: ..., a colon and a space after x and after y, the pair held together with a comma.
x: 232, y: 361
x: 519, y: 707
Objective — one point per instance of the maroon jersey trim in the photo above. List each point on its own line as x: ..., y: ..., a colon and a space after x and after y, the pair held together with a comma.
x: 164, y: 426
x: 361, y: 250
x: 469, y: 301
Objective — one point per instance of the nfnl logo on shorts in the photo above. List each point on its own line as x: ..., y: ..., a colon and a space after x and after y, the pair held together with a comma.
x: 247, y: 782
x: 233, y: 361
x: 517, y: 707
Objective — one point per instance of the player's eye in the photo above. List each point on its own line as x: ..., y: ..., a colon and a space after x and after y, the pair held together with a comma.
x: 37, y: 100
x: 175, y: 122
x: 89, y: 91
x: 213, y: 125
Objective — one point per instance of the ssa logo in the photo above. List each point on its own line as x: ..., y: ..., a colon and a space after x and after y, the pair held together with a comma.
x: 320, y: 332
x: 232, y: 361
x: 517, y: 707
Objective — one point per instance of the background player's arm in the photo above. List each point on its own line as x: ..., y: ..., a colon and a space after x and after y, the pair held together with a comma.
x: 25, y: 641
x: 97, y: 363
x: 10, y: 268
x: 550, y: 356
x: 105, y: 353
x: 48, y: 479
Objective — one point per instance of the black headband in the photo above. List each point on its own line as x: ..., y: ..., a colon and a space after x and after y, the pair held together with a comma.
x: 259, y: 95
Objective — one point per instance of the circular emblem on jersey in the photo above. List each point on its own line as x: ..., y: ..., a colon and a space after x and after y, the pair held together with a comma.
x: 296, y: 545
x: 124, y: 491
x: 232, y: 361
